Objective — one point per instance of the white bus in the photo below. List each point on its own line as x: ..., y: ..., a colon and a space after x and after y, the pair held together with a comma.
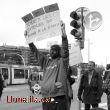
x: 15, y: 74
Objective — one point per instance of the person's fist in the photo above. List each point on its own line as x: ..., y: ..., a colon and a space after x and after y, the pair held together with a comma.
x: 63, y: 28
x: 62, y: 25
x: 58, y: 84
x: 25, y: 33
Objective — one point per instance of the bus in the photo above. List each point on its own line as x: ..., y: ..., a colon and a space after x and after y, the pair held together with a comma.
x: 15, y: 74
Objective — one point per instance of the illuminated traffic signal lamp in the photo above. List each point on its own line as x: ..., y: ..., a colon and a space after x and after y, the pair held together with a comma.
x: 78, y: 28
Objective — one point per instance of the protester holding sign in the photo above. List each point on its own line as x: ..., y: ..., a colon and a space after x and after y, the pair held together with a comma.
x: 54, y: 84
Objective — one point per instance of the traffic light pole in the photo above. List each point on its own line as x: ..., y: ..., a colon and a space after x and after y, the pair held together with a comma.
x: 78, y: 32
x: 88, y: 49
x: 81, y: 42
x: 82, y: 19
x: 81, y: 47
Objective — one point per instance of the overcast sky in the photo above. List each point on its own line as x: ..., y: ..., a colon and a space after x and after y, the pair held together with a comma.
x: 12, y: 27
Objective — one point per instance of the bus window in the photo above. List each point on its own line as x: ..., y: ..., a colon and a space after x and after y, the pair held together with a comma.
x: 18, y: 73
x: 5, y: 73
x: 26, y: 74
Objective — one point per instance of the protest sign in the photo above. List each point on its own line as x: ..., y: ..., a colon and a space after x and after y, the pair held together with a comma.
x: 44, y: 23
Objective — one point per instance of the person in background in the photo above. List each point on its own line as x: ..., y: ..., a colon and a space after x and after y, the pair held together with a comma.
x: 106, y: 84
x: 70, y: 82
x: 1, y: 84
x: 54, y: 84
x: 106, y: 72
x: 90, y: 87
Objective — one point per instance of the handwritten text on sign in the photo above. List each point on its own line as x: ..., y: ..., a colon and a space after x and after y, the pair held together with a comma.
x: 45, y: 25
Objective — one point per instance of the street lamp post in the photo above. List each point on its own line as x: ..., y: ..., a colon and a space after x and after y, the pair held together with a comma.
x: 88, y: 49
x: 21, y: 58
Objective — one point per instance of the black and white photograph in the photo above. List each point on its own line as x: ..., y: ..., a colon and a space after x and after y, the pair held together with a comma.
x: 54, y: 55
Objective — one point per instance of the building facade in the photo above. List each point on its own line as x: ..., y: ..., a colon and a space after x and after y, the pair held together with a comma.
x: 18, y: 55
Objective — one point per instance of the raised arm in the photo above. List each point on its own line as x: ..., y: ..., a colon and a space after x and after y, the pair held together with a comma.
x: 65, y: 51
x: 41, y: 58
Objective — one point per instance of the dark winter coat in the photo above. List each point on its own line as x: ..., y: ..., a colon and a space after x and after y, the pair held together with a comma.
x: 91, y: 92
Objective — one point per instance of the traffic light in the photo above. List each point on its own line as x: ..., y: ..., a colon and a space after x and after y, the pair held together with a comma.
x: 77, y: 24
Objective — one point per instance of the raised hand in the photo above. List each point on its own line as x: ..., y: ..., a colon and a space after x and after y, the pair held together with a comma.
x: 58, y: 84
x: 63, y: 28
x: 25, y: 33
